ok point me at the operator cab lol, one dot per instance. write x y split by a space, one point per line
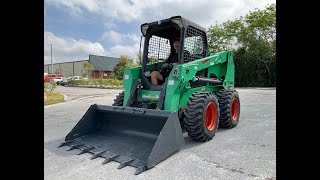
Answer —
158 45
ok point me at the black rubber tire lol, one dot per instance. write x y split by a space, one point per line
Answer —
181 119
226 98
194 120
118 101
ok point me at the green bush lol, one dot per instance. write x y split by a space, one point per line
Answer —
79 82
100 82
73 82
97 82
119 83
50 86
45 86
53 85
111 82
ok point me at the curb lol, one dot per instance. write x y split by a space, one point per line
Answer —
65 97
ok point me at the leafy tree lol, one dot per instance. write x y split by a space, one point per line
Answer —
87 69
253 41
123 63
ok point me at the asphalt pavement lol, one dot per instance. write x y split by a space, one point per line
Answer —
245 152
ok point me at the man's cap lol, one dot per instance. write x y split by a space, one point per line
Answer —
176 39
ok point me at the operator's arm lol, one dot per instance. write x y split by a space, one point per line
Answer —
166 62
170 62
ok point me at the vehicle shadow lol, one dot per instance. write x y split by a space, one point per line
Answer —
52 146
190 143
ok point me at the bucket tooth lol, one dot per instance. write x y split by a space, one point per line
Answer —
126 163
66 143
86 150
140 170
75 146
109 159
94 156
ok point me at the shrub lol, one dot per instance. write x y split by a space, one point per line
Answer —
97 82
53 85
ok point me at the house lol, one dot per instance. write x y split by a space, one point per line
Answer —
103 66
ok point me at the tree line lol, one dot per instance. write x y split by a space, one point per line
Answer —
253 41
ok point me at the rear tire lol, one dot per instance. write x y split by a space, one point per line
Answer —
229 108
119 99
202 116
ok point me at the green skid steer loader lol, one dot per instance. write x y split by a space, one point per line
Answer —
145 124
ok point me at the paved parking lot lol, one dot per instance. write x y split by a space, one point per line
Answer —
245 152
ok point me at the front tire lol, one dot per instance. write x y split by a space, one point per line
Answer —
229 102
202 116
119 99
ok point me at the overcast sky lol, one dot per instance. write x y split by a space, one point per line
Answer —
77 28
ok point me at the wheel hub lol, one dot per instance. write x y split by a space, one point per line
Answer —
211 116
235 109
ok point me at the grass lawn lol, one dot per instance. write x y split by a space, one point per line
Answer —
53 98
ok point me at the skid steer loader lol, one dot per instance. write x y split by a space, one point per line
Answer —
145 124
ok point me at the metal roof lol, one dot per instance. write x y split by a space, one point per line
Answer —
103 63
185 23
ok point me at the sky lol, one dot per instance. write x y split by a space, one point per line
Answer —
77 28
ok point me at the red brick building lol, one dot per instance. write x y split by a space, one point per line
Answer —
103 66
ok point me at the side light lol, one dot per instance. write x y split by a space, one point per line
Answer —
144 29
177 21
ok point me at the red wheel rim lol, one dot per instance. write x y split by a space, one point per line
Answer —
235 109
211 116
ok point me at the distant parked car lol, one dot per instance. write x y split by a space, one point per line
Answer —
57 78
60 80
46 79
53 77
68 79
77 77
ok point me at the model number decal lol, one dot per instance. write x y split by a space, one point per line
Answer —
171 82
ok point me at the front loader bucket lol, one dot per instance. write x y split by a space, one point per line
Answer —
134 137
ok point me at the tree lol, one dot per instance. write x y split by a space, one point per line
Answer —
224 37
260 38
138 59
253 40
87 69
123 63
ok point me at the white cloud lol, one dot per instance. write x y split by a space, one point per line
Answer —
110 24
75 6
114 37
130 51
68 49
124 44
203 12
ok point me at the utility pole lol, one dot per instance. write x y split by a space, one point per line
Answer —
51 61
